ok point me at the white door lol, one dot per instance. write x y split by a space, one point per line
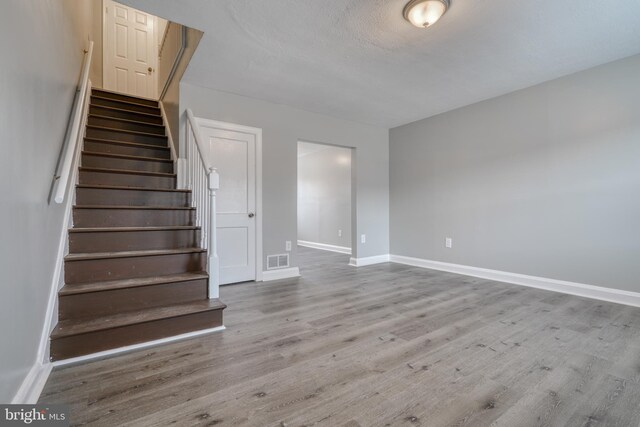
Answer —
233 154
130 51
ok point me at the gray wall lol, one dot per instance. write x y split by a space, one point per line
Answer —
324 194
544 181
41 43
282 128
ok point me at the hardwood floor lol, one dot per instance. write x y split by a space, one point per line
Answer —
383 345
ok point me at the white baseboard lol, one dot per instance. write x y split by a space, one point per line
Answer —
361 262
32 385
130 348
282 273
325 247
571 288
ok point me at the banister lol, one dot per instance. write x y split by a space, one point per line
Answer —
71 142
199 141
198 170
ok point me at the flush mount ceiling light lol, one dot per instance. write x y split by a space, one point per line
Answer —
425 13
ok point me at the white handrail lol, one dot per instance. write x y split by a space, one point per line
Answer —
62 178
202 178
198 137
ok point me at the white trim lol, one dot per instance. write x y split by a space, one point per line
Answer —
325 247
259 212
572 288
32 385
140 346
361 262
283 273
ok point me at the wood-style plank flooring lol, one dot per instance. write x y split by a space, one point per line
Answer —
383 345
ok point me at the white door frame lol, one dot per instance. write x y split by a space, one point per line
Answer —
104 5
257 132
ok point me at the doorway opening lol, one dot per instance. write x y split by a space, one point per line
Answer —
325 220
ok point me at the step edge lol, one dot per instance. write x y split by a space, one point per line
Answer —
126 156
135 132
116 142
91 256
67 290
113 92
130 207
127 172
55 336
117 187
120 119
125 229
125 102
126 111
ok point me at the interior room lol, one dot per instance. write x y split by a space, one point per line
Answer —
324 200
342 213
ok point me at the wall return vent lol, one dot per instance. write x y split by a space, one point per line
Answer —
277 261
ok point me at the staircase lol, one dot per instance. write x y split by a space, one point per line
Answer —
135 271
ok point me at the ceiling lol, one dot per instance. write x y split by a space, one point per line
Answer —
360 60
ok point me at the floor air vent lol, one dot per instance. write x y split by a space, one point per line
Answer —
277 261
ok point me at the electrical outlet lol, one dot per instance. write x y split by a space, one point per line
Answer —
339 233
448 242
363 238
288 245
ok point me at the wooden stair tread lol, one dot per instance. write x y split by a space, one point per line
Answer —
127 143
113 92
127 171
126 111
131 254
159 208
135 132
120 119
116 229
129 283
126 156
134 273
67 328
124 101
120 187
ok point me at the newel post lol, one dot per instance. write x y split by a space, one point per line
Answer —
214 264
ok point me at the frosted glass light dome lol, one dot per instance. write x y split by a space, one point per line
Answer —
425 13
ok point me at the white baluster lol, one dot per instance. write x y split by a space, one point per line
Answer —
214 263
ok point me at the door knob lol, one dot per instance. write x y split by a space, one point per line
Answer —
251 214
150 70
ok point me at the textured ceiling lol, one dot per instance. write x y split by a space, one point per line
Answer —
359 59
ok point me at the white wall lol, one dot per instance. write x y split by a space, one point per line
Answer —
324 194
41 43
283 127
544 181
